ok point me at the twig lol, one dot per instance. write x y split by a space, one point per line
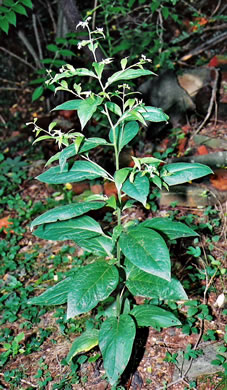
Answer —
29 48
94 14
2 119
37 36
206 45
216 8
17 57
51 16
212 102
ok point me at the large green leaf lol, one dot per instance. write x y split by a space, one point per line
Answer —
66 212
101 245
91 284
80 170
125 134
146 285
178 173
128 74
116 338
81 228
170 228
139 189
56 295
86 145
87 108
83 343
153 114
149 315
69 105
147 250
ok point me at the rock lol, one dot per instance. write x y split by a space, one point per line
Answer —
202 365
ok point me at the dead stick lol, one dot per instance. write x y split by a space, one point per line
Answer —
211 42
29 47
212 102
18 58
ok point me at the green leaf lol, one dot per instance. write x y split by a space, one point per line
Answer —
69 105
83 343
147 250
56 295
92 143
11 17
178 173
150 315
52 48
66 53
4 24
116 338
171 229
128 74
8 3
120 176
114 108
139 189
99 66
81 228
37 93
127 133
86 145
153 114
27 3
80 170
87 108
91 284
142 284
66 212
19 9
101 245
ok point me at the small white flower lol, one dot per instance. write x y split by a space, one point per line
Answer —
79 45
107 61
99 29
144 58
84 24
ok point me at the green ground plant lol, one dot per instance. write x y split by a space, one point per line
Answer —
133 259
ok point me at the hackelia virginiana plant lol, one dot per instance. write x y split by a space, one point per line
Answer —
132 259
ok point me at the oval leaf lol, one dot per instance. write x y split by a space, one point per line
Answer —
87 109
178 173
80 170
170 228
83 343
66 212
150 315
91 284
116 338
81 228
139 189
101 245
142 284
147 250
69 105
128 74
56 295
153 114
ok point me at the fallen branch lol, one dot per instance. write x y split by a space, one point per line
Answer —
17 57
29 48
37 36
206 45
213 101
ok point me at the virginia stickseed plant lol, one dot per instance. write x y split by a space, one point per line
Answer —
132 259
